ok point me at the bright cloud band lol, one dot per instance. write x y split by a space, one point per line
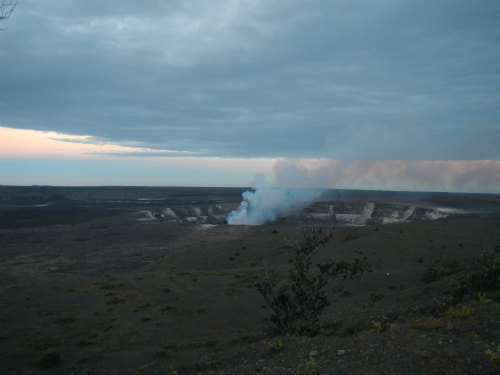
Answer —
80 159
25 143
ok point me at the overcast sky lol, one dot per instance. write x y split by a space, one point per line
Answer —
341 80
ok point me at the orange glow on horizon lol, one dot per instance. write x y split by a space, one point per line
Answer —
28 144
118 164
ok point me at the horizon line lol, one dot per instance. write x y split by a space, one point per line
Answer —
247 187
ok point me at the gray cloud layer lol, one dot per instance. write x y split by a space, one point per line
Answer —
343 79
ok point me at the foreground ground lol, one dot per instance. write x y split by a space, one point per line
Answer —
114 294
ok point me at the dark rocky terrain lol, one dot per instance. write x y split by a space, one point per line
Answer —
132 280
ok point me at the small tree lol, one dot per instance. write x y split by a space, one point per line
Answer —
298 303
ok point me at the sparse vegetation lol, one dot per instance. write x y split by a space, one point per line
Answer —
141 307
251 337
219 273
430 323
65 319
171 371
375 297
481 297
352 329
417 326
40 344
440 269
249 279
372 327
169 308
115 301
50 359
458 312
272 346
109 282
494 356
85 342
474 336
230 292
484 276
92 338
160 353
308 368
298 304
330 328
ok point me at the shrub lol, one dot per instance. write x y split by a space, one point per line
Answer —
308 368
474 336
372 327
484 276
272 346
297 304
493 356
458 312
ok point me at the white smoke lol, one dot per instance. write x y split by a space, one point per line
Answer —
265 203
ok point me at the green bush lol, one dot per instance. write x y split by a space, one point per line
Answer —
298 303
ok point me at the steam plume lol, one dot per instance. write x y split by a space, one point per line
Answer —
264 203
481 176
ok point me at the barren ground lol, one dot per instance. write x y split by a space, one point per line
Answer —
96 290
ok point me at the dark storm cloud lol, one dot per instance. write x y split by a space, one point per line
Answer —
343 79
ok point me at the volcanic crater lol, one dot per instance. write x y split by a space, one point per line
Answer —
152 281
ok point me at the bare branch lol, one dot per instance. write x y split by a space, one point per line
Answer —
6 9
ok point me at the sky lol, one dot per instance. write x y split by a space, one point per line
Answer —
386 94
